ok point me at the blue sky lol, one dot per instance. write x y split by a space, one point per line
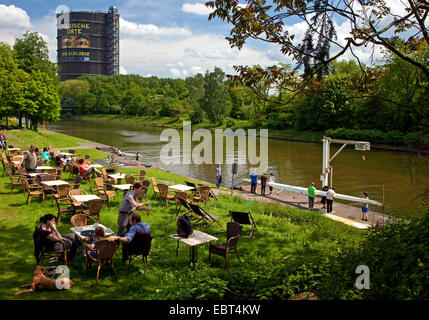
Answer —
164 38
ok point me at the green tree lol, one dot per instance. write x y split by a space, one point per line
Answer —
216 101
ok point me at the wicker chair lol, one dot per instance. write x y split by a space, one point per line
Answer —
15 181
180 194
130 179
163 194
203 196
155 187
140 177
61 192
33 190
94 208
80 220
101 190
233 230
105 251
64 205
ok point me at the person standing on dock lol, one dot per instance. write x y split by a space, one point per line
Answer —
271 179
263 183
323 201
330 195
218 175
253 181
365 208
311 195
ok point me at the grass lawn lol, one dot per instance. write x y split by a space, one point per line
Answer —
289 254
43 138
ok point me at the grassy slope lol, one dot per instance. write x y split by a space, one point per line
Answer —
23 139
283 234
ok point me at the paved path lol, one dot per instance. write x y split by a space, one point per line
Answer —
347 214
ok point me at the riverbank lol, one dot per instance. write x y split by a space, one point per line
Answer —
287 239
286 134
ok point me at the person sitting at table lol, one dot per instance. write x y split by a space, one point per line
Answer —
136 226
129 204
29 162
86 170
99 235
45 155
48 230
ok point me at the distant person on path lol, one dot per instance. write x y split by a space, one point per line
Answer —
29 162
271 179
119 153
311 195
129 204
365 207
323 201
253 181
218 175
330 195
263 183
137 156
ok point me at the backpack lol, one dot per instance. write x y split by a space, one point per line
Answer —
184 227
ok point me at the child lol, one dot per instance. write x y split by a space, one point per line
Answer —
99 235
365 208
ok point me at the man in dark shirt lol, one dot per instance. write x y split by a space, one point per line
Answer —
263 183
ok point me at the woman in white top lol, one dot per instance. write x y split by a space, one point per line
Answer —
330 194
271 179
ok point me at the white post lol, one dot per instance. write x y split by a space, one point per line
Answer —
325 161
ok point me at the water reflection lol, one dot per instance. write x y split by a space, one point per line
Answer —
292 163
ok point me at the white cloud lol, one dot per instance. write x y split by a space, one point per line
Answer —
122 70
132 29
184 56
13 23
196 8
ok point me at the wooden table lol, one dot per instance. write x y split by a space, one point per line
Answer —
44 168
54 183
85 197
14 149
77 231
66 154
181 187
96 166
117 176
194 240
124 187
33 174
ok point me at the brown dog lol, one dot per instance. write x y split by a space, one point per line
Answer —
41 282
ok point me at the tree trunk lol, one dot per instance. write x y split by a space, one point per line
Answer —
20 120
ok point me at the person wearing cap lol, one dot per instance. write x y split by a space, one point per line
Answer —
29 162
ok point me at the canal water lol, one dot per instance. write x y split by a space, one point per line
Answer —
381 173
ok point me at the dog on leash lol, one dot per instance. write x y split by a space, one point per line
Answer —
41 282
